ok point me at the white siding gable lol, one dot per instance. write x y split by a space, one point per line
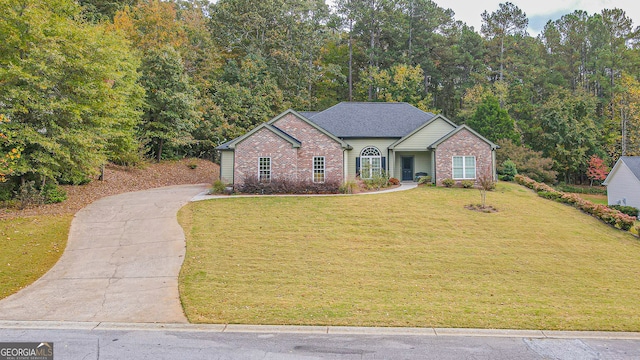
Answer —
424 137
623 187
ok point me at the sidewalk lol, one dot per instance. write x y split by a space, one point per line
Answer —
403 186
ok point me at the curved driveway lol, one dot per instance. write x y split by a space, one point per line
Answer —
121 263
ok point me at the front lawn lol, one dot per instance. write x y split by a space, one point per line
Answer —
30 247
413 258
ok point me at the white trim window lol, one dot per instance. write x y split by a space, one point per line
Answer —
370 162
264 169
464 167
318 169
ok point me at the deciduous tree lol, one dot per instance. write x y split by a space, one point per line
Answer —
68 88
597 169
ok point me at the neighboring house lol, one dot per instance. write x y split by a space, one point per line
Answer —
623 182
357 139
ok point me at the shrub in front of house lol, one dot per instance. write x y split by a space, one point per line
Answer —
448 182
348 187
377 182
217 187
467 184
251 185
425 180
606 214
394 181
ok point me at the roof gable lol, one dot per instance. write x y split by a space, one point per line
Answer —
371 119
631 162
422 127
311 123
232 144
457 130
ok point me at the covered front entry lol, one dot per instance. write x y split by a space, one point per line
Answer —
406 165
407 168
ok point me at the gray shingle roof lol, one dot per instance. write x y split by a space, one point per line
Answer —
225 146
308 114
374 120
633 163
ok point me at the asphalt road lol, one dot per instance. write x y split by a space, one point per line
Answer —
173 341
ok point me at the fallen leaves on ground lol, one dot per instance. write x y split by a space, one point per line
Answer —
119 179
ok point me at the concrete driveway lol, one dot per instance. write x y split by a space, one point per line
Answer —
121 263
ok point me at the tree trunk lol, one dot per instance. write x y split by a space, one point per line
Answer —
501 57
160 145
350 60
410 31
372 44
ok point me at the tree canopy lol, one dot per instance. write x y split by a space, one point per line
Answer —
107 80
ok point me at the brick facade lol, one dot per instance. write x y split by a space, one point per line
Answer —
286 161
463 143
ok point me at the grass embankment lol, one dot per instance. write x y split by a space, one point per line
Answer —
595 198
414 258
30 247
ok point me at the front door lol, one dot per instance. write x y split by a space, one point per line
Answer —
407 168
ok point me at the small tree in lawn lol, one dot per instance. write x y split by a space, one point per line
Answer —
597 169
486 183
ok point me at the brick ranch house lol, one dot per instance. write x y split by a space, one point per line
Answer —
354 139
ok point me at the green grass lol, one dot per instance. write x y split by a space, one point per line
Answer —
413 258
30 247
595 198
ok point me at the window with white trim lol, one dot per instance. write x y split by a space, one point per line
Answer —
264 169
370 162
464 167
318 169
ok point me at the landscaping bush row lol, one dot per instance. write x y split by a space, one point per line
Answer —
581 189
608 215
252 185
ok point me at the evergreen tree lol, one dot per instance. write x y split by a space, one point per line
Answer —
170 100
492 122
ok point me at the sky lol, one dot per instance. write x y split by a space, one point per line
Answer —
539 11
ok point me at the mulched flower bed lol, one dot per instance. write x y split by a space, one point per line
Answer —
480 208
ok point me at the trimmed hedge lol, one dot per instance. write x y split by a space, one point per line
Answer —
608 215
581 189
252 185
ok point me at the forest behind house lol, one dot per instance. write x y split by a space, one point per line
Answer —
94 81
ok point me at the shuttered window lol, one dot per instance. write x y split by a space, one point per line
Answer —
370 162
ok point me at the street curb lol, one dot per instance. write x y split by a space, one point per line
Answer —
328 330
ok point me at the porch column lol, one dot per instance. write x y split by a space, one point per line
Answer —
392 163
433 166
345 166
